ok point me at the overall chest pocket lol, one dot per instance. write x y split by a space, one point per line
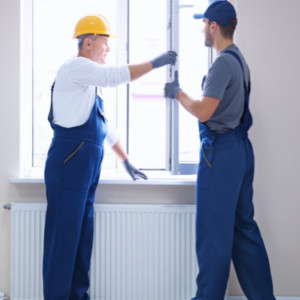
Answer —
101 114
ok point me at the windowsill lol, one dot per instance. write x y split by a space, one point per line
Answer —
113 178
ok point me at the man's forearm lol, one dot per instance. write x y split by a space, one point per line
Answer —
136 71
202 110
119 151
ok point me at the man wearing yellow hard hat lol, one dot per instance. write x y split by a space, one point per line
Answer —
74 159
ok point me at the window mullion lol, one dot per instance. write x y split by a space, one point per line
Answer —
181 160
172 157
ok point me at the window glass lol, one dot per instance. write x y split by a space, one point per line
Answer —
193 65
147 105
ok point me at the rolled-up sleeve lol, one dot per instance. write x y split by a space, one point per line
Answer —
112 137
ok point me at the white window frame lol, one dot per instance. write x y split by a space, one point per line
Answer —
26 86
174 165
26 97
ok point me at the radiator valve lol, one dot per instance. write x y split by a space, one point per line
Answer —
8 207
2 296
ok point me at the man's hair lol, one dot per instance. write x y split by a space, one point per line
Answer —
227 31
92 36
82 37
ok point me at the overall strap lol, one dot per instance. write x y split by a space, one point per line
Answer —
52 87
246 118
50 115
247 87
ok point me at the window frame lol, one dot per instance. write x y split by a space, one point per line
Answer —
27 168
172 163
175 166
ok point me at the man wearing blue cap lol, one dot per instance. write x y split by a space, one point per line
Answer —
225 228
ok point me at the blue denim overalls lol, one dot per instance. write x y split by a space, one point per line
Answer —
225 228
71 175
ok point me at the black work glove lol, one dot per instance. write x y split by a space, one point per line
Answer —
133 171
172 88
167 58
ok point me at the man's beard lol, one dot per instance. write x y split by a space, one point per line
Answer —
209 40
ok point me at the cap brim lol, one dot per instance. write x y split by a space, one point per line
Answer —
198 16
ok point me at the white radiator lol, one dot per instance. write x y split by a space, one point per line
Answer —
27 236
141 252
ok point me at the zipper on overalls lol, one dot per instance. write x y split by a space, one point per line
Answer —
74 152
205 157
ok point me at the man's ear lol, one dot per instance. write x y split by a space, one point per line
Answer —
87 42
213 26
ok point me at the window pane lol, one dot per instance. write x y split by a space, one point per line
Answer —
147 105
53 27
193 65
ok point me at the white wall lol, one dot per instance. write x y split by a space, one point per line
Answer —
268 36
9 122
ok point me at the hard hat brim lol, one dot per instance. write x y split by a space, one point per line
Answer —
75 36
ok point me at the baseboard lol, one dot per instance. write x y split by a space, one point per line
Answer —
277 298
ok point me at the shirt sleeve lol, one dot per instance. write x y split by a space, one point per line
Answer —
217 80
112 136
83 71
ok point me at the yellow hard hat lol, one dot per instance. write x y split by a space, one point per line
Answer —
92 24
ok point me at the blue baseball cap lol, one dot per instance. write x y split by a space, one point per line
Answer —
220 11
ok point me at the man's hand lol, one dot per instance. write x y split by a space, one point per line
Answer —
167 58
172 88
133 171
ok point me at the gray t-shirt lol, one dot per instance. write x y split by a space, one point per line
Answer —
225 81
